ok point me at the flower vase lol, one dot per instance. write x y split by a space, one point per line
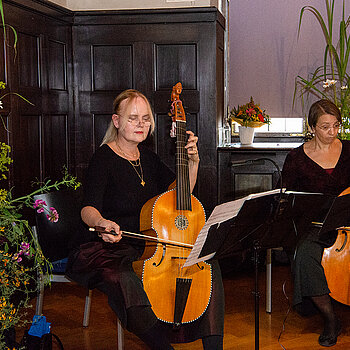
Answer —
246 135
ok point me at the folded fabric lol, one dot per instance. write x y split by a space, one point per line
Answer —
39 326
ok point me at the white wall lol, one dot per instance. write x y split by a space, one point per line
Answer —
82 5
266 54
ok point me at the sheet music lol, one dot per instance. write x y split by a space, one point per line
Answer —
221 213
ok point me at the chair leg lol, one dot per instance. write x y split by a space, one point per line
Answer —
120 335
268 281
87 308
40 296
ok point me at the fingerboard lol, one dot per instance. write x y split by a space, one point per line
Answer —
183 195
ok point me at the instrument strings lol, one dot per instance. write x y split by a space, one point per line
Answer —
183 189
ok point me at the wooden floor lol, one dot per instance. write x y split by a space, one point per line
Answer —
64 303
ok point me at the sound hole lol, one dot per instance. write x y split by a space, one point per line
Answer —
181 222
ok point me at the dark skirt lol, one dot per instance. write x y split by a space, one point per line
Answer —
102 266
308 274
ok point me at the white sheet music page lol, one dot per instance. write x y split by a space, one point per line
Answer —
221 213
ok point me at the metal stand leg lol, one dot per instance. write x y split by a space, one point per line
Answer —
120 335
87 308
268 280
40 296
256 293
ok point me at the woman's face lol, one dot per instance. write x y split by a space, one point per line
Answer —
133 120
326 129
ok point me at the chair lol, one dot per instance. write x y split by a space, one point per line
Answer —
54 238
269 278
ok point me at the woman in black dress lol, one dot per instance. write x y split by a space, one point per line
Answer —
321 165
122 176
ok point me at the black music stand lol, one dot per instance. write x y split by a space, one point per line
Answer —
271 221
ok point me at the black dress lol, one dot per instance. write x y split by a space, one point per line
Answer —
301 173
113 187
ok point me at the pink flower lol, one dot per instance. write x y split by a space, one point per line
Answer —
53 215
25 248
17 257
39 203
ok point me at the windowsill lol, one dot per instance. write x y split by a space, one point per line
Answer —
263 145
269 137
271 134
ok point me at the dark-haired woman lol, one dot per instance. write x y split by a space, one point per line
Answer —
321 165
122 176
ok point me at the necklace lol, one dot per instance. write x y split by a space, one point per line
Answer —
127 156
140 175
136 163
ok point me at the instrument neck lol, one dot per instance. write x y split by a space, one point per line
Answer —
183 198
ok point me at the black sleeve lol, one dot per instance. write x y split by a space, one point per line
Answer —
289 173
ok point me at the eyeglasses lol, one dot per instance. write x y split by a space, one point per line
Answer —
135 120
328 127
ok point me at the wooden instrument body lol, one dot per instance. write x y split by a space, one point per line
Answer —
177 294
336 265
164 266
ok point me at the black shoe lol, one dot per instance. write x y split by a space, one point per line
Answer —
329 340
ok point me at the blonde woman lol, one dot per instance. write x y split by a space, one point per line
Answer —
122 176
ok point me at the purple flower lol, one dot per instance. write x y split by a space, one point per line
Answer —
53 215
25 248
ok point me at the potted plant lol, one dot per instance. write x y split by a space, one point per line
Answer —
249 117
330 80
21 256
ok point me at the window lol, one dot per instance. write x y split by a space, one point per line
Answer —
281 125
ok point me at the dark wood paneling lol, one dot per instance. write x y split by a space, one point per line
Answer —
149 50
143 71
178 16
56 144
27 154
100 124
176 62
4 125
28 60
41 71
111 67
158 59
58 65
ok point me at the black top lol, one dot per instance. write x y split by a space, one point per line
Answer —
301 173
113 187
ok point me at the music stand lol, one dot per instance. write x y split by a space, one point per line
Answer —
337 215
270 221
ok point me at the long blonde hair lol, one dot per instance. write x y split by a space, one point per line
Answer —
130 95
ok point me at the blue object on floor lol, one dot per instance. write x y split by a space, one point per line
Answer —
39 326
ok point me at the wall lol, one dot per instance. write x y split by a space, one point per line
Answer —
266 54
83 5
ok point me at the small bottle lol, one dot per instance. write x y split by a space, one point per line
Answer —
226 133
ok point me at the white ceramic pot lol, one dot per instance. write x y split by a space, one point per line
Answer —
246 135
